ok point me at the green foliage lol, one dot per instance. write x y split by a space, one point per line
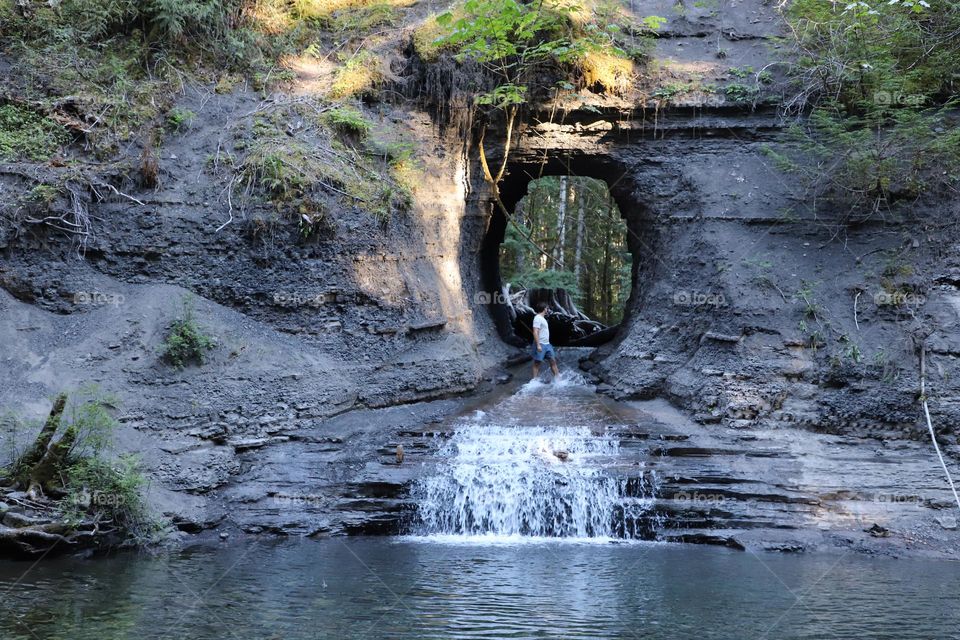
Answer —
110 491
851 350
163 21
357 76
301 175
348 120
521 44
98 486
186 341
179 119
363 18
599 278
43 195
550 279
739 92
26 134
872 159
807 298
878 76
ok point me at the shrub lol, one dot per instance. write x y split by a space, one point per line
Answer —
186 342
358 76
361 19
877 77
107 491
178 118
93 486
348 120
26 134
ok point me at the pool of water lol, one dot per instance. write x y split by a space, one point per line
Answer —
483 587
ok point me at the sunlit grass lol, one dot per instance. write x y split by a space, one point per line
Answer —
320 9
613 73
357 76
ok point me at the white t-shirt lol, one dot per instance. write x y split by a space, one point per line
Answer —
539 322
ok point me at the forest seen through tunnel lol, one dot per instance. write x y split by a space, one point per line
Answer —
568 234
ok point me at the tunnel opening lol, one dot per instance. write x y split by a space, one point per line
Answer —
566 247
534 260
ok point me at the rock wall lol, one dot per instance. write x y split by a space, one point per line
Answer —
747 305
369 315
747 309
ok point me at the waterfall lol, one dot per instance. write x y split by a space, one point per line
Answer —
500 477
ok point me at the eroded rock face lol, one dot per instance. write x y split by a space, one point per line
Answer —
747 312
743 312
370 314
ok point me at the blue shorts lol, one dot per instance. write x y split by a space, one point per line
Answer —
546 352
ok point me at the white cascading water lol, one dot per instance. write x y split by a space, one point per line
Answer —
501 477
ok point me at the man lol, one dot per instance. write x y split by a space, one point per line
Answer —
541 341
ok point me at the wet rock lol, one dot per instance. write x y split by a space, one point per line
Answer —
256 443
947 522
720 337
216 432
786 548
877 531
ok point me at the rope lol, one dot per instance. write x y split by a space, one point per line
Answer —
926 412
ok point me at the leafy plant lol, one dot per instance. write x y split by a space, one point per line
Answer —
739 92
178 119
348 120
26 134
186 341
805 294
878 78
108 491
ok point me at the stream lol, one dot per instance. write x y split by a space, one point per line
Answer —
532 524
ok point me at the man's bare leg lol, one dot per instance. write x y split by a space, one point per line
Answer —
536 369
553 367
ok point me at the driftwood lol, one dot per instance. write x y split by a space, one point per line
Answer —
568 325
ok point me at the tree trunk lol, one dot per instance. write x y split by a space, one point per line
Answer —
561 223
39 449
521 214
581 231
45 475
39 468
605 275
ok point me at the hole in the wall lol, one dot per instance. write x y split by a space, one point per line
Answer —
516 184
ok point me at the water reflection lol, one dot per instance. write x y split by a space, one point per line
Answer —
382 588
